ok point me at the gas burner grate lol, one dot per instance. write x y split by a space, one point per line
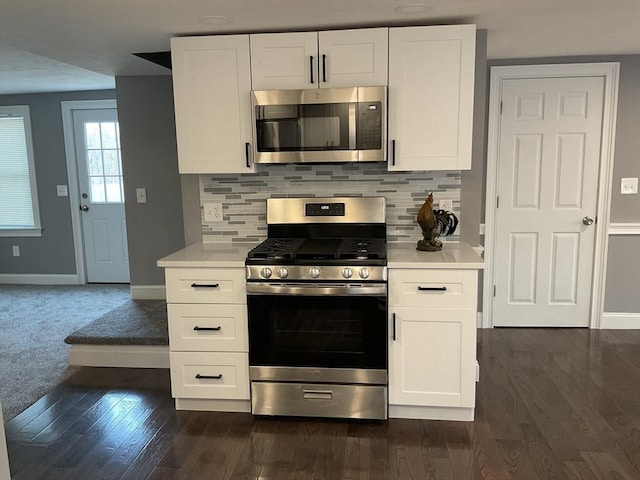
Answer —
362 249
276 248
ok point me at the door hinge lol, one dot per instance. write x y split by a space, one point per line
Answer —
494 290
501 108
498 201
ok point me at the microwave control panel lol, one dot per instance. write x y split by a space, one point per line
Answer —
369 129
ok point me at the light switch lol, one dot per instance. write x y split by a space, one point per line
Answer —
141 195
629 186
62 190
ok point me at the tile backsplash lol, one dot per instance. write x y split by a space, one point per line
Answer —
243 196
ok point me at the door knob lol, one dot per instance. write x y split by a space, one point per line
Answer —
84 208
587 221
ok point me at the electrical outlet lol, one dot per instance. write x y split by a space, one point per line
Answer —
212 212
629 186
16 251
141 195
446 205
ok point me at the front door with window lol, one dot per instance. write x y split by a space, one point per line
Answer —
102 195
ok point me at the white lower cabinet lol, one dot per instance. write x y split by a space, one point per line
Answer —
432 351
208 338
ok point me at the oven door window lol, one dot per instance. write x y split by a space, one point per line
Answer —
300 128
318 331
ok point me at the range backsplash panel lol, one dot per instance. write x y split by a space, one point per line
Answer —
243 196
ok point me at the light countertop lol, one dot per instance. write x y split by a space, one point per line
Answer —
220 255
399 255
453 255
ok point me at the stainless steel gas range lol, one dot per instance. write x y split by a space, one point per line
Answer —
317 307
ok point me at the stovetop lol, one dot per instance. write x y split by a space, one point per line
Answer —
322 251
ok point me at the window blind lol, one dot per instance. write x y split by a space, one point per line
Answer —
16 195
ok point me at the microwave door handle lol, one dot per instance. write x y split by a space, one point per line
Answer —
352 126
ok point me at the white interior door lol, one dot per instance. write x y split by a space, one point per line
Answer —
101 190
548 164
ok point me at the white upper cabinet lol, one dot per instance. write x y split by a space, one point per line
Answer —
212 85
339 58
431 83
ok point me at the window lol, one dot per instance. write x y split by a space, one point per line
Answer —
104 164
19 214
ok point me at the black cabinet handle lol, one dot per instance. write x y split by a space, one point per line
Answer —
324 68
394 327
213 377
215 329
205 285
393 152
247 146
311 68
437 289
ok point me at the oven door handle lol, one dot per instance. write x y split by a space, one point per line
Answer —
374 289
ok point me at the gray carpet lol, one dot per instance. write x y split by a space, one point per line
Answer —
136 322
34 320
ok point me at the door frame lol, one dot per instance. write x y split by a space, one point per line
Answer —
68 108
610 71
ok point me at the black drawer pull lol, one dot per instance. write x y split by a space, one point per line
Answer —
197 328
213 377
205 285
437 289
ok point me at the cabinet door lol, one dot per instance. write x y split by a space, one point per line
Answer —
284 61
432 359
431 82
211 83
349 58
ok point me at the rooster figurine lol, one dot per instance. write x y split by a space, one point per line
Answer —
433 224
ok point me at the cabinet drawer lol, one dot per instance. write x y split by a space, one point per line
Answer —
210 375
212 328
205 285
433 288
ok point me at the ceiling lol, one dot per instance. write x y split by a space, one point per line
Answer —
66 45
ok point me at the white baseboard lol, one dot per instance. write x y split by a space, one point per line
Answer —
210 405
39 279
125 356
148 292
620 321
432 413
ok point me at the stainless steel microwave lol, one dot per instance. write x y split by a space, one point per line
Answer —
320 125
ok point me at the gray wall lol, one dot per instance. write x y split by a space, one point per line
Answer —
473 181
149 160
53 252
623 264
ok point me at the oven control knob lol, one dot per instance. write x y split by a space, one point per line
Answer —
314 272
265 272
364 273
347 272
283 272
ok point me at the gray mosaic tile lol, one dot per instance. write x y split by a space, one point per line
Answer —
244 196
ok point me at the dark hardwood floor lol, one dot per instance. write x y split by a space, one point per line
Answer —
551 404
